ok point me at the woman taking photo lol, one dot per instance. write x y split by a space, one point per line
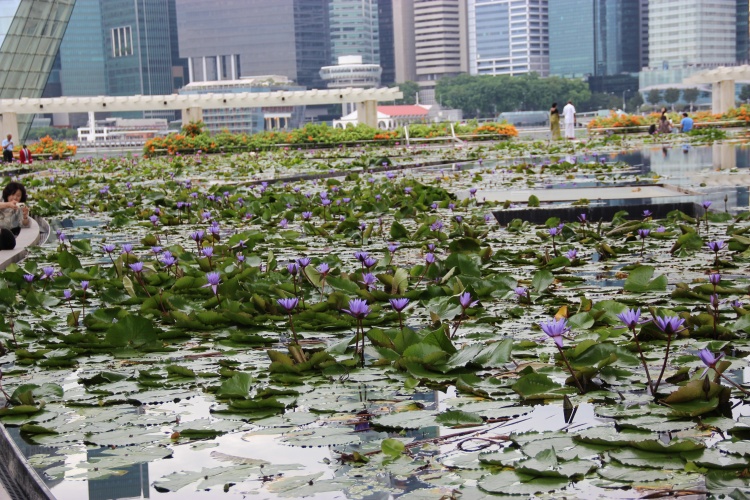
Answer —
14 214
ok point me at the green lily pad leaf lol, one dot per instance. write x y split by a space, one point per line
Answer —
68 261
648 441
624 474
28 393
134 331
321 436
36 429
736 447
343 285
655 423
538 386
398 231
41 299
545 464
514 483
406 420
392 447
726 482
495 355
542 280
639 281
507 457
640 458
715 459
454 418
400 281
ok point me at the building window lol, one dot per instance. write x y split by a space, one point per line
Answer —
122 41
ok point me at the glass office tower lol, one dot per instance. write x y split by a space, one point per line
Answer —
594 37
30 35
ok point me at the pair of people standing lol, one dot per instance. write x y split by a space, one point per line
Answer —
569 120
24 156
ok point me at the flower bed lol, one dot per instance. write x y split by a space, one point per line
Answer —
50 148
703 119
319 135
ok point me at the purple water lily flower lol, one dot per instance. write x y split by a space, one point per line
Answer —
197 236
392 247
434 206
361 256
240 258
647 213
465 300
642 233
369 262
67 294
304 262
214 279
168 259
283 223
473 192
29 277
707 204
84 285
553 231
306 215
358 308
555 329
109 248
714 278
127 248
399 304
521 291
137 267
369 280
429 258
669 324
716 246
292 268
436 226
582 218
630 318
487 217
709 360
323 268
208 252
48 271
288 303
661 229
571 254
156 250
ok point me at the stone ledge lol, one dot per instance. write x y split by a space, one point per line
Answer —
29 236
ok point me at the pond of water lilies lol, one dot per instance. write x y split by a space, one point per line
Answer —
354 323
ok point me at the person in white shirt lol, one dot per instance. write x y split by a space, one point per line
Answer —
8 149
569 115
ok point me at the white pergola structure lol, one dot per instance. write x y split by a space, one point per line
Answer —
192 105
722 80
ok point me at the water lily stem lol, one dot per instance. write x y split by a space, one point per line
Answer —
643 359
734 383
570 369
664 365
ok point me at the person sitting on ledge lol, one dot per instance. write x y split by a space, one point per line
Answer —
14 214
24 156
686 124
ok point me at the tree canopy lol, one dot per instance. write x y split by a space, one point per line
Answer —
486 96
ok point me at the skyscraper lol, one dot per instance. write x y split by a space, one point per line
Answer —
508 37
594 37
686 33
404 57
386 23
440 42
354 30
30 36
254 37
82 67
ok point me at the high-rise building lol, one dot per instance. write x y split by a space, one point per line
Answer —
508 37
689 36
353 26
685 33
30 36
404 58
743 31
138 57
386 23
82 67
594 37
440 43
643 19
254 37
